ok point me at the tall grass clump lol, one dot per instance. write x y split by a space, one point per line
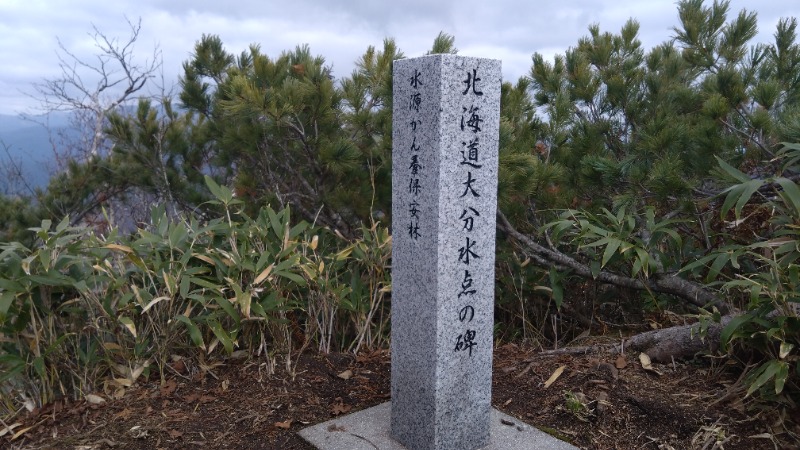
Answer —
83 312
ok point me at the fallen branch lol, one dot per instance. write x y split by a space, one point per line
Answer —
542 256
664 345
678 342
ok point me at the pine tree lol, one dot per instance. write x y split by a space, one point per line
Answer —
632 128
291 136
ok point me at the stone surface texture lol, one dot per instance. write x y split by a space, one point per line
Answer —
369 430
444 200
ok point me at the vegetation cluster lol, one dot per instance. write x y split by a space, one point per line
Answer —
637 187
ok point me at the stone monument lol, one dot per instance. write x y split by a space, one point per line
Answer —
446 119
444 199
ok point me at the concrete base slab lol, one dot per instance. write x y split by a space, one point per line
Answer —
369 430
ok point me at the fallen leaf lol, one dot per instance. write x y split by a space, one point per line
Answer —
602 402
621 362
647 364
137 372
207 398
333 427
174 434
169 387
225 384
346 374
95 399
124 382
124 414
557 373
340 408
761 436
137 432
178 366
9 429
20 433
285 425
128 323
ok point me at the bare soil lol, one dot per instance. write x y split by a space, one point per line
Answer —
597 402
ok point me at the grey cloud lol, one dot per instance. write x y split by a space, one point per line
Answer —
340 30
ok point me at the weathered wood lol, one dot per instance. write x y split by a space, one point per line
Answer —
662 346
694 293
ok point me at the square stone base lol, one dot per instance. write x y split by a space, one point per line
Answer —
369 430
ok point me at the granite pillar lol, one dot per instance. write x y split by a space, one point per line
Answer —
446 117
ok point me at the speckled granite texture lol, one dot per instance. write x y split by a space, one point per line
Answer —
446 120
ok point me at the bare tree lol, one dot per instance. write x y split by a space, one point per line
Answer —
90 90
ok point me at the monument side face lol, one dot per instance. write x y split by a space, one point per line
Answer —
446 118
415 205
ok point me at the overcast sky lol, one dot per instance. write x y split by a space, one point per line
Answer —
339 30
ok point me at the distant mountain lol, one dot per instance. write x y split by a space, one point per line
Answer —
29 145
12 123
28 139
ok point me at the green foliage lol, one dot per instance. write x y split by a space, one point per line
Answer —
350 295
770 324
645 246
39 296
161 152
444 43
16 216
125 303
610 153
626 150
624 124
291 134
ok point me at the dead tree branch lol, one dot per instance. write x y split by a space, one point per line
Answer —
664 345
92 90
542 256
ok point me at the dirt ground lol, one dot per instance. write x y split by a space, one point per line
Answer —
593 401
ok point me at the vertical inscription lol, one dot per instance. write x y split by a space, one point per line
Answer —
415 166
470 165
